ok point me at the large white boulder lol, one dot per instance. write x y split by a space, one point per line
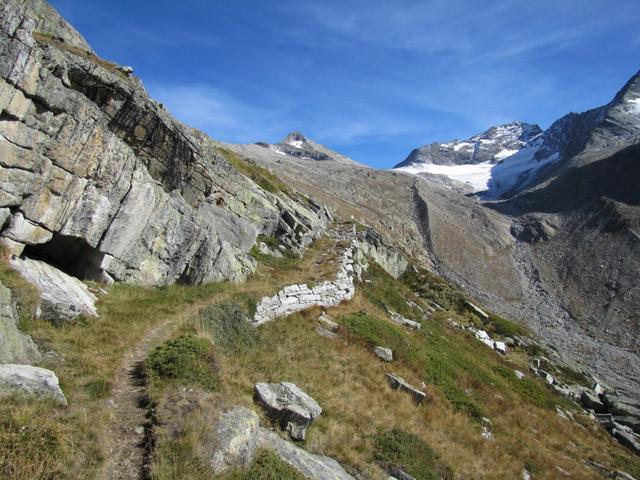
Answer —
28 380
62 296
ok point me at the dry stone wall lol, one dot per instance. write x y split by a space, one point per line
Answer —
298 297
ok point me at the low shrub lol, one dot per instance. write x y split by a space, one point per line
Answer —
185 359
409 453
228 326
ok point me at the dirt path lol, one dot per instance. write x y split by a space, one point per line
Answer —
124 437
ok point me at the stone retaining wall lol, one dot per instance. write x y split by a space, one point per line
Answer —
297 297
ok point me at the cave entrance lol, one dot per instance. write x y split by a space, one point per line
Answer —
72 255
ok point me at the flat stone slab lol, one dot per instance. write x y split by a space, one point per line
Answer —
398 383
28 380
311 466
383 353
404 321
286 403
62 296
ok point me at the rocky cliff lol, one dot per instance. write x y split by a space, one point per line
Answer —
100 181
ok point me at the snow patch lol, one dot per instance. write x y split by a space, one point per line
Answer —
517 169
504 153
296 143
635 105
476 175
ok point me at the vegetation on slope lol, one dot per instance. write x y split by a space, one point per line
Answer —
365 425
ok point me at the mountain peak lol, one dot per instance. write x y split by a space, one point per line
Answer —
490 146
295 139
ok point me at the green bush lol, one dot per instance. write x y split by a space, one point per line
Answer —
505 327
228 326
185 359
375 331
409 453
432 287
386 292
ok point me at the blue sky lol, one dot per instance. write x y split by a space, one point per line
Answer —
370 78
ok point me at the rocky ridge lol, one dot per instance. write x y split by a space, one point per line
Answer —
490 146
93 167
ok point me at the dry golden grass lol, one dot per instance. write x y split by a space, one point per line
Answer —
342 374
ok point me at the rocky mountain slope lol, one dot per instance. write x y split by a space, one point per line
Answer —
340 267
100 180
555 261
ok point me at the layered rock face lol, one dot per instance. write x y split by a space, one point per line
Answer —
100 181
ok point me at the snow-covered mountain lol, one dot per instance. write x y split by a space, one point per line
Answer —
507 159
607 128
470 161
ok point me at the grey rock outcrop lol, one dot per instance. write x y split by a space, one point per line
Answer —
372 245
287 404
383 353
62 297
311 466
15 346
89 161
234 440
32 381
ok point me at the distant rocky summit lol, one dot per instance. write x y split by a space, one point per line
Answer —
491 146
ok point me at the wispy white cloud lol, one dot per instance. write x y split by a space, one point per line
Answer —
222 115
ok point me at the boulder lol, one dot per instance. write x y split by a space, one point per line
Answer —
592 401
500 347
15 346
287 404
622 406
400 320
62 296
399 383
234 440
28 380
626 437
632 422
399 474
518 374
477 310
309 465
384 353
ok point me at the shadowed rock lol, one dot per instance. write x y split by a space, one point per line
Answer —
399 383
292 408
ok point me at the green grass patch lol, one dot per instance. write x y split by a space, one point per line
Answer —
269 240
186 359
396 449
529 389
375 331
434 288
386 292
266 466
286 262
504 327
228 326
261 176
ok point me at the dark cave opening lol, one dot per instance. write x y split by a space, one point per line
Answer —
72 255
